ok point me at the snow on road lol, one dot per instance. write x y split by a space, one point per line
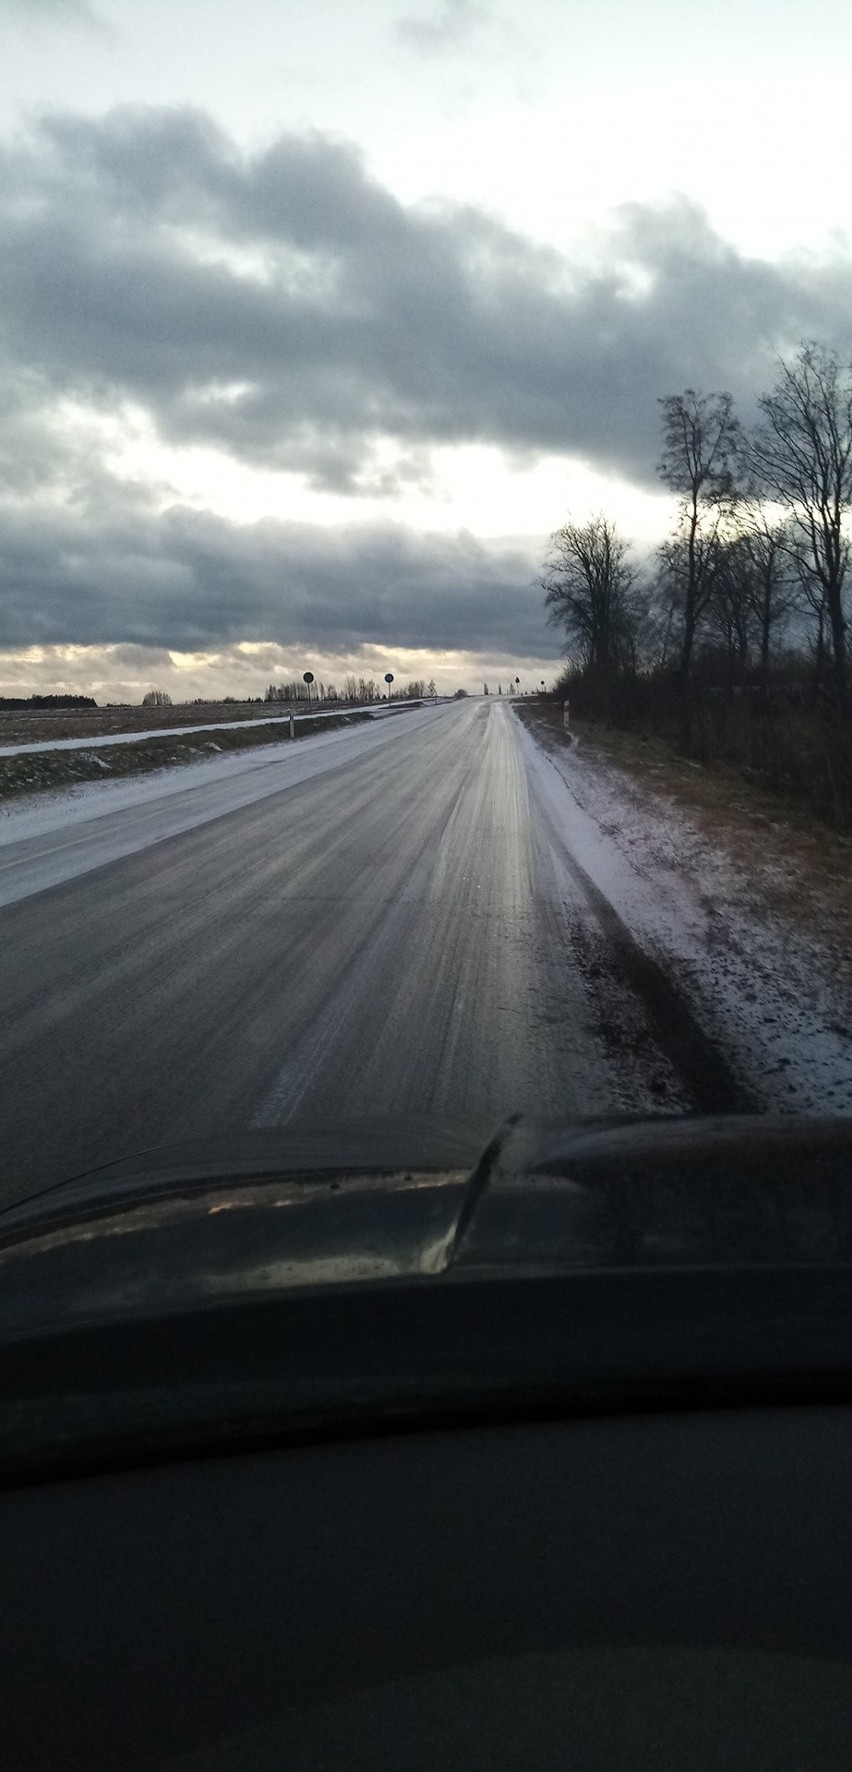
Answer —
769 990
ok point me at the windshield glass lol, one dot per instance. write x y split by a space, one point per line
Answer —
424 579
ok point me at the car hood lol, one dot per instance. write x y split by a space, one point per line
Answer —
202 1222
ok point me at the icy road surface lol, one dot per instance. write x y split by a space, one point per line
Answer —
418 917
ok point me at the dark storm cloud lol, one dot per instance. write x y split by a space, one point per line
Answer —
191 581
289 309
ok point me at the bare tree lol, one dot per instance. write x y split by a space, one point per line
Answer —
811 598
590 591
769 579
755 586
730 608
700 447
802 454
156 698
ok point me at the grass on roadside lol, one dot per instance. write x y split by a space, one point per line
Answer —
801 868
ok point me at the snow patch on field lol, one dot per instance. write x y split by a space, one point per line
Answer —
769 991
93 742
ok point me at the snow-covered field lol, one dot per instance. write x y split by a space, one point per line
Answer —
772 992
91 743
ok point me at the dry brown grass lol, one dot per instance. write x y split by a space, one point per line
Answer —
798 866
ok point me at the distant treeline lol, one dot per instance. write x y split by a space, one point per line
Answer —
47 701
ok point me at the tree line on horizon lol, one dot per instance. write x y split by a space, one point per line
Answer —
45 702
355 689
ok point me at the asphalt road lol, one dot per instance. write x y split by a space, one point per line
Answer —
371 926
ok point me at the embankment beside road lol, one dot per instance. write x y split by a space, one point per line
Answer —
747 898
32 771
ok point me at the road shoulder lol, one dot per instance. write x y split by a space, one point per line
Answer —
747 904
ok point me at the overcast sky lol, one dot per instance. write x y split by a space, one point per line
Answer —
315 320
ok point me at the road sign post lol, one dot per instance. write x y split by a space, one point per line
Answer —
308 677
389 680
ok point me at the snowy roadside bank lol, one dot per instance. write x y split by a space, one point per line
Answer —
30 769
261 723
49 837
774 994
97 742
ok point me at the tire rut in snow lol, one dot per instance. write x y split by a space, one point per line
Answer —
703 1067
618 964
644 1075
697 1060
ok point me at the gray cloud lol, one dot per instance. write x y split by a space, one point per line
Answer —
189 581
152 658
287 308
450 26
